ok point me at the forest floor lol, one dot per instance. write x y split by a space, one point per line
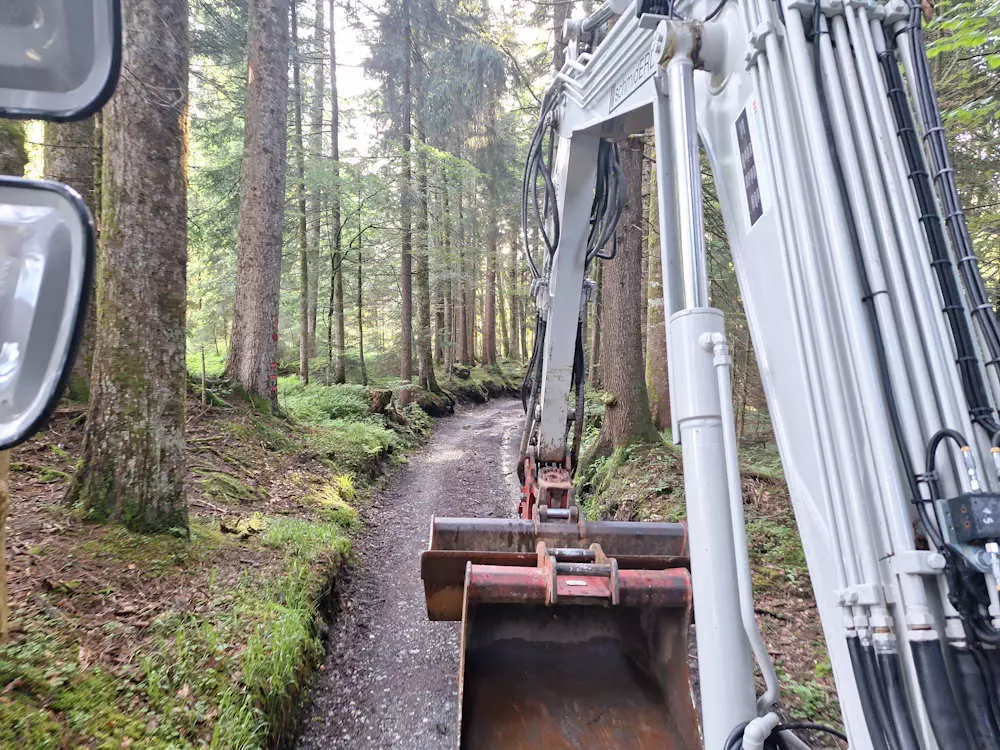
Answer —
168 641
390 679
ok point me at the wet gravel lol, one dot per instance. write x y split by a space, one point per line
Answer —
390 677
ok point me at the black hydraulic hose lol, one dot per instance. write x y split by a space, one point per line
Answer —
973 384
902 718
944 175
880 699
971 675
948 721
863 681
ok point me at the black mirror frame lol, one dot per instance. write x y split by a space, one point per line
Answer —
87 282
97 104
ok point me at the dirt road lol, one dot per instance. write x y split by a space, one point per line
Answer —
390 678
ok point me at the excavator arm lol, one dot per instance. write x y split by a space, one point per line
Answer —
878 354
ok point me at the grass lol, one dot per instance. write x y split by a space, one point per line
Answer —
227 675
234 629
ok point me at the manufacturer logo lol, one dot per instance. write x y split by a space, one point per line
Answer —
633 79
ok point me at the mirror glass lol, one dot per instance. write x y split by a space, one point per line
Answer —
59 59
46 261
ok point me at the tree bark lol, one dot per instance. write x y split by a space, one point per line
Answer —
300 191
13 155
626 418
405 212
338 372
133 464
72 156
657 383
595 347
253 353
490 290
560 13
316 193
462 306
425 353
515 307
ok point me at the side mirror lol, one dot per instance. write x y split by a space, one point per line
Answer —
59 59
46 264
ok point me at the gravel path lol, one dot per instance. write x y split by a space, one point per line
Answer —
390 678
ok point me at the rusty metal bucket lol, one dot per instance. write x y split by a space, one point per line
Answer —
567 647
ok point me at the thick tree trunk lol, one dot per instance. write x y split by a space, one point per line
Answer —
300 190
13 155
626 418
133 463
317 106
253 354
72 156
657 383
338 370
405 212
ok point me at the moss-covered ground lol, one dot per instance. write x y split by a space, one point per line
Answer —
173 641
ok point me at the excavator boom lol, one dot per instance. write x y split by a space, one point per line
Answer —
878 353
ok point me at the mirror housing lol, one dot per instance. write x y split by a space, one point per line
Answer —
46 268
59 59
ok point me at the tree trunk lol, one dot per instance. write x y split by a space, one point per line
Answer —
501 304
316 154
338 373
490 291
253 353
133 464
560 13
595 347
300 190
425 354
405 212
72 156
626 418
515 307
461 310
13 155
657 383
360 297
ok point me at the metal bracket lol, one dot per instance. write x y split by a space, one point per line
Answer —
863 595
917 562
895 11
758 42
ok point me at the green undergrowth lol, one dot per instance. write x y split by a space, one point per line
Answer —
217 630
227 673
481 383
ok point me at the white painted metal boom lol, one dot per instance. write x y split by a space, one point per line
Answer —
875 375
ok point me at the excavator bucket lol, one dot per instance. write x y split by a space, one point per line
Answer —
566 646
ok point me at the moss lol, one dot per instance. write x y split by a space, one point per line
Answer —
51 475
333 505
155 554
78 389
225 487
56 703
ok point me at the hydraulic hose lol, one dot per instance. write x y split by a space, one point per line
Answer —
977 698
948 720
863 680
973 383
892 678
879 695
